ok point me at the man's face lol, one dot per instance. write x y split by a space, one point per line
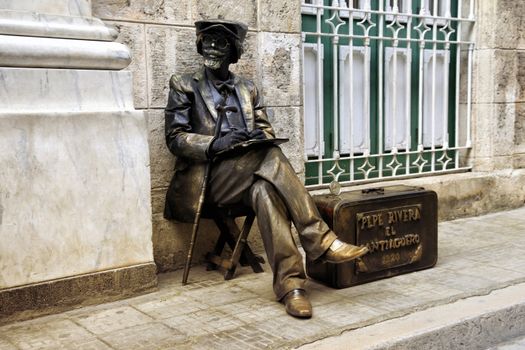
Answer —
216 49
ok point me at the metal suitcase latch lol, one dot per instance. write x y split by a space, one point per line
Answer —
374 190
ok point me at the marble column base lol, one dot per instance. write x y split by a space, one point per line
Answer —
74 194
63 294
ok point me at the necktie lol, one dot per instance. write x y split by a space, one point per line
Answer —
224 86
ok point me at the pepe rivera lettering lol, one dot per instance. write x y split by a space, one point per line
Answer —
390 227
389 217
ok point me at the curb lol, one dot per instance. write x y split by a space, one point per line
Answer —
472 323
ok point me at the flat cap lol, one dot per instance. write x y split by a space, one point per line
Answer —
237 29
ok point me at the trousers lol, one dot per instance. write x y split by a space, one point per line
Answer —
265 180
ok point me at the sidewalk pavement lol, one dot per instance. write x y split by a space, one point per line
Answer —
515 344
476 256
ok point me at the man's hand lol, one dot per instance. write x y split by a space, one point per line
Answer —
230 138
257 134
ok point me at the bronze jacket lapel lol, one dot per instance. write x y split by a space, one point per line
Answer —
205 92
245 99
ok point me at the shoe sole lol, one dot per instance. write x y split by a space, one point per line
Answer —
300 315
356 256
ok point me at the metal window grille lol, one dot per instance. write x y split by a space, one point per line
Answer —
386 89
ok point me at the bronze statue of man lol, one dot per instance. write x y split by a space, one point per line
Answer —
261 178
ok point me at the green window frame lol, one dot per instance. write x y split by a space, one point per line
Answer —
402 94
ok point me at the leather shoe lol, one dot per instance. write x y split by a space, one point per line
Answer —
297 304
340 252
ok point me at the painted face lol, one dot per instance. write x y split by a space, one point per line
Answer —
216 49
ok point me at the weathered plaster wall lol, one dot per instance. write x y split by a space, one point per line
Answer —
161 37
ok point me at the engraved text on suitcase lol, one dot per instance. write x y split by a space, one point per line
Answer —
392 237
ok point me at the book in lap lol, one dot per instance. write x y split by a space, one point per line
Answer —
244 146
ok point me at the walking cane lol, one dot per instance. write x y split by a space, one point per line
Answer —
222 113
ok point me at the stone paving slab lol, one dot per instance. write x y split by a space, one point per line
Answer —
476 256
514 344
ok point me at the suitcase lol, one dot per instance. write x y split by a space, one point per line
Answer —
398 224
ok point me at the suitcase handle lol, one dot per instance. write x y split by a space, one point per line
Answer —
374 190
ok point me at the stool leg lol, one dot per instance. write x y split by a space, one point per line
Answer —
239 246
229 233
247 255
221 242
254 261
232 236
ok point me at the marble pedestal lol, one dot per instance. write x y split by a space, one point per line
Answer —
75 212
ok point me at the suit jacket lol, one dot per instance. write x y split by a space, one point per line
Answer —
190 119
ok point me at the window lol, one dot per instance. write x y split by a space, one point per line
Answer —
440 8
397 98
353 101
398 7
310 9
443 7
356 5
381 89
313 98
435 97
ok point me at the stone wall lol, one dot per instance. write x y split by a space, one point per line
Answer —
161 37
499 86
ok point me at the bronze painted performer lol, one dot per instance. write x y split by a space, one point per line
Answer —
261 178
